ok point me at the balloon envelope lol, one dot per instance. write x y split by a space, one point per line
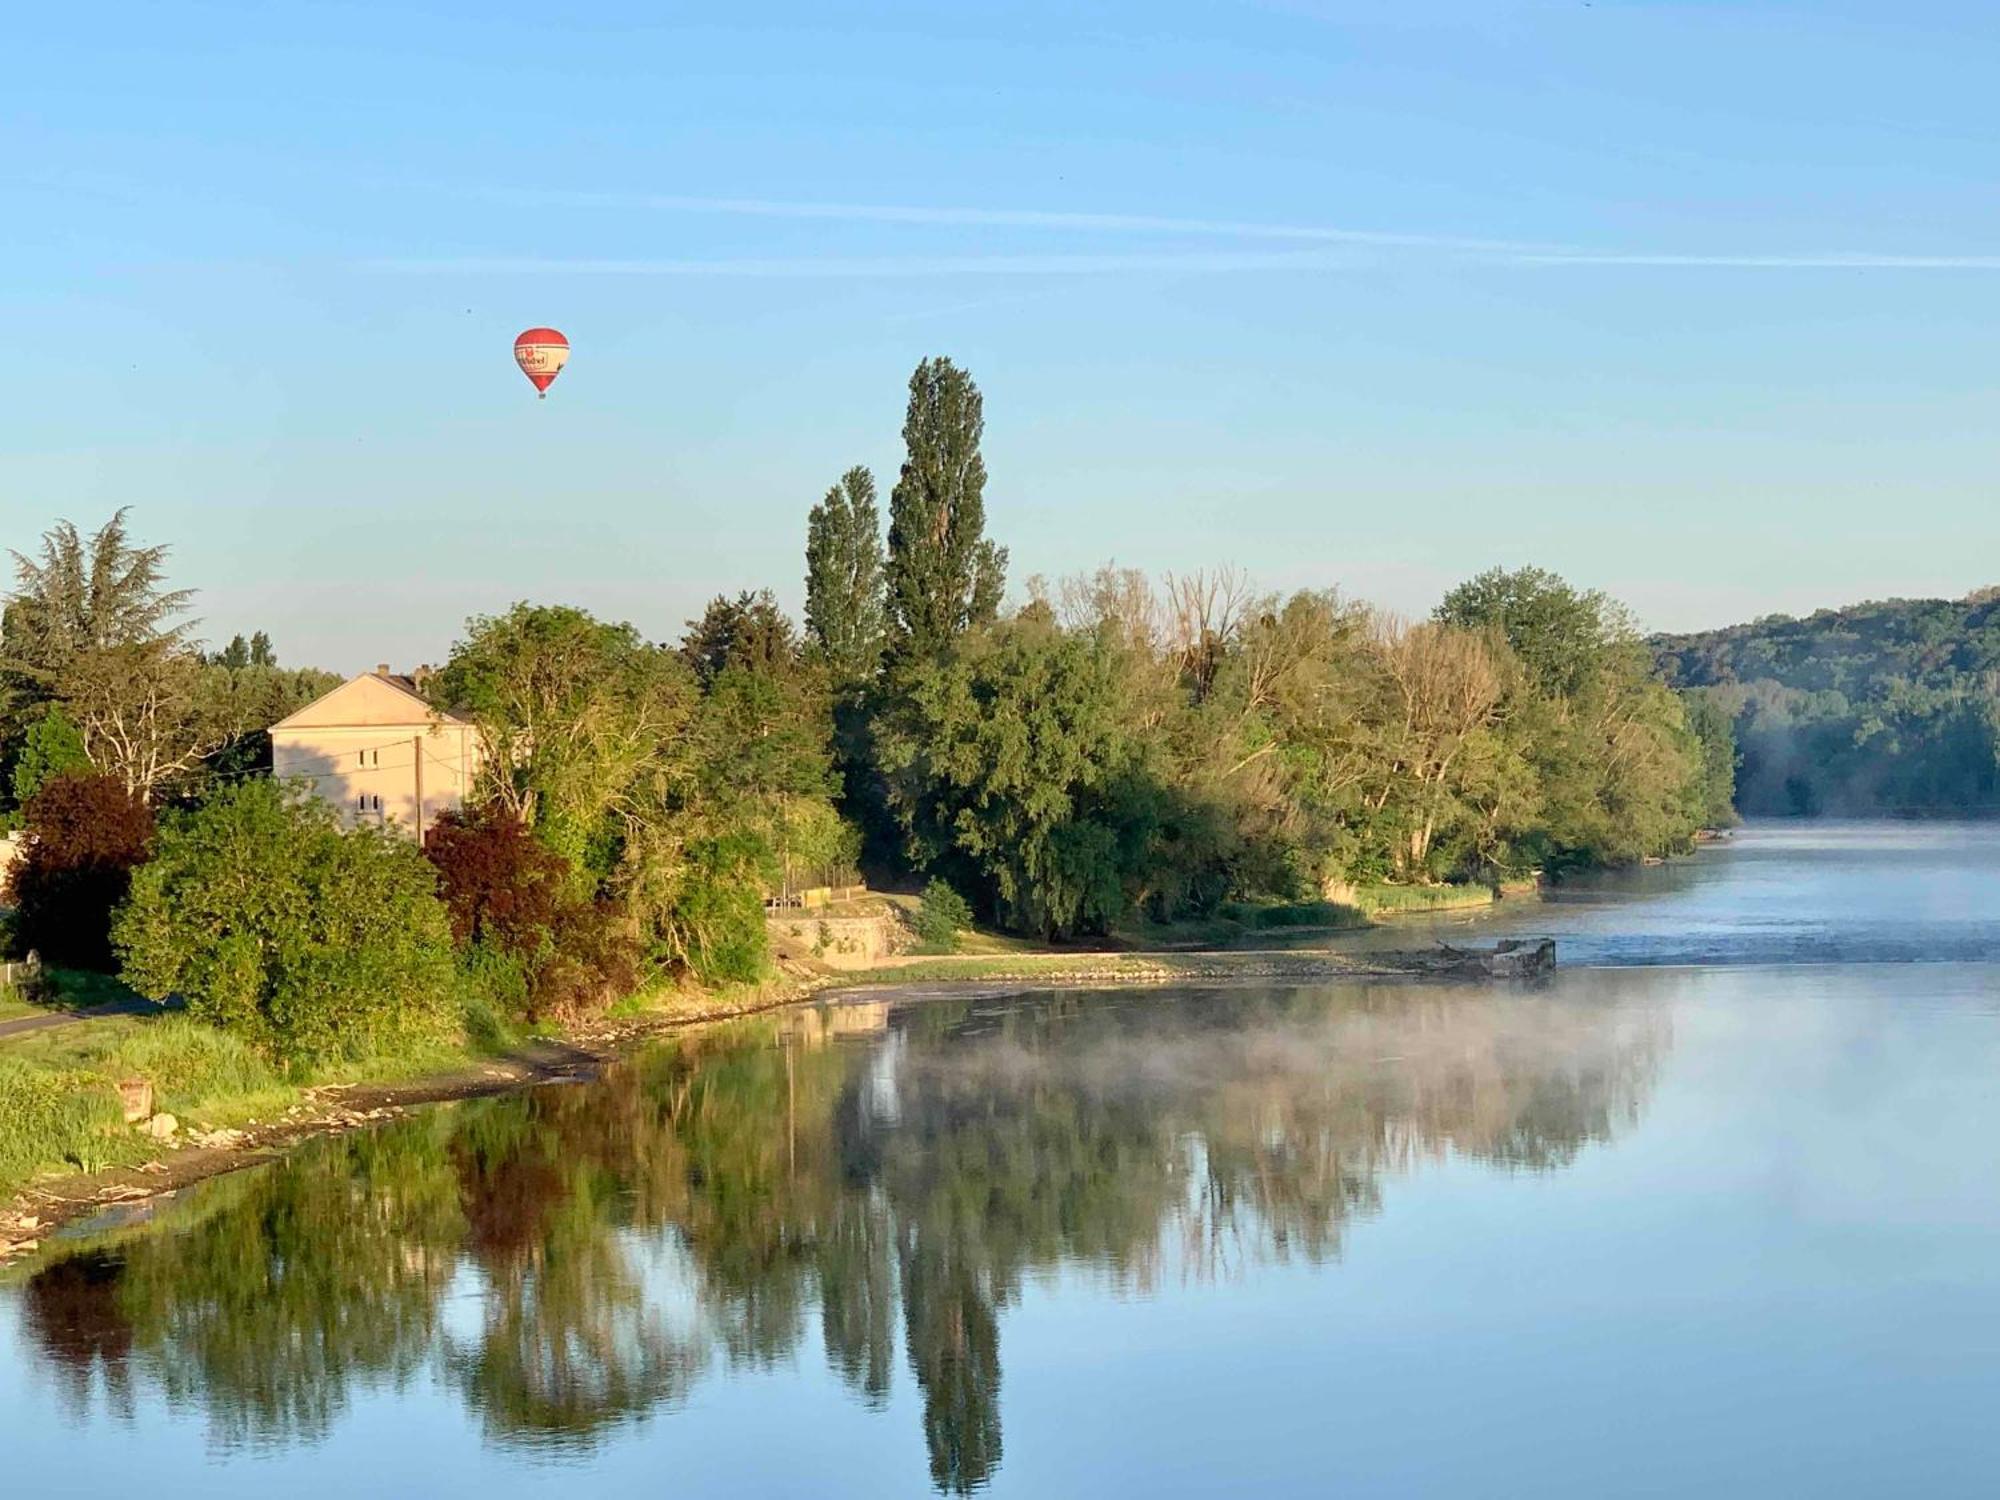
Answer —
541 353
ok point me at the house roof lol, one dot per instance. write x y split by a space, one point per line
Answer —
374 700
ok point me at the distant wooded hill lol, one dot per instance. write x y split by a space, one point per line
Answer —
1891 706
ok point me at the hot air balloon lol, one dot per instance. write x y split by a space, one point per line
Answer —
541 353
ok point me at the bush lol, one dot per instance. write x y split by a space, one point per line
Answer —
310 943
540 949
49 1116
715 922
85 835
595 962
941 917
498 981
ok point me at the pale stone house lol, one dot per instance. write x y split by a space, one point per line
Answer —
378 752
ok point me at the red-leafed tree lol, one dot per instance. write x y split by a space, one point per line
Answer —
85 835
500 885
512 896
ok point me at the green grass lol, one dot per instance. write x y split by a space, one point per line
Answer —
1390 900
189 1064
14 1003
59 1107
1259 917
52 1118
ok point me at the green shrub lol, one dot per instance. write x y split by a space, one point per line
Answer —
495 979
50 1116
309 943
717 915
941 918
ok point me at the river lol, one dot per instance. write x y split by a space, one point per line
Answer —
1715 1210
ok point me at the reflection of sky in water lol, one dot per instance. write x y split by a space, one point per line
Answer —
1729 1231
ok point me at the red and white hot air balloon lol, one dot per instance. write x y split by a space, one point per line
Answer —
541 353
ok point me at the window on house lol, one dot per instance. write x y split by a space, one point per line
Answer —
361 757
378 804
361 804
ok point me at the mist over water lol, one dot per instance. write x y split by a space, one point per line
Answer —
1712 1213
1778 893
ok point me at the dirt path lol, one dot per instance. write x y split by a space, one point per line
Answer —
26 1025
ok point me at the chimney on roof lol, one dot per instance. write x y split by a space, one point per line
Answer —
381 669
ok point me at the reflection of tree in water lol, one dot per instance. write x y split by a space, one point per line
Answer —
571 1344
73 1313
303 1281
915 1180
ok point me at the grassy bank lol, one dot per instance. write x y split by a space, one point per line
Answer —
1400 900
59 1103
60 1112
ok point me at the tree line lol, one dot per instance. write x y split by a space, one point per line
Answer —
1885 707
1110 751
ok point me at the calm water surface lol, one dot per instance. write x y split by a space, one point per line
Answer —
1718 1213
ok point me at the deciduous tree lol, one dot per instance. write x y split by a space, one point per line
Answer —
844 600
944 575
86 833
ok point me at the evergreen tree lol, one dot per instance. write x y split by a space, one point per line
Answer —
943 574
844 609
749 631
85 594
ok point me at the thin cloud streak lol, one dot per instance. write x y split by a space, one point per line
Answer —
1829 262
1011 218
1365 246
1193 263
874 266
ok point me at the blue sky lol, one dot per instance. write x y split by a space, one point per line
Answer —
1693 302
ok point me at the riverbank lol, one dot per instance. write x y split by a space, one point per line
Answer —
260 1124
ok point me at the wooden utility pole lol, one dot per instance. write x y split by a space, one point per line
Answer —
417 745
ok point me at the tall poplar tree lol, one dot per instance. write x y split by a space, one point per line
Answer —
943 574
844 608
